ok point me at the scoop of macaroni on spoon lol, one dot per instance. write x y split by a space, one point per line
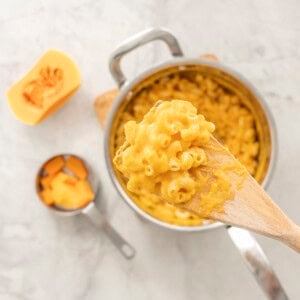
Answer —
172 156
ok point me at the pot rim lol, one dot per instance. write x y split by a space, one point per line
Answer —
177 62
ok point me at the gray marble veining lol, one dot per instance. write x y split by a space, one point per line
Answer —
45 257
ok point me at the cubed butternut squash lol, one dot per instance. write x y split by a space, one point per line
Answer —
45 181
54 165
69 192
77 167
59 187
46 196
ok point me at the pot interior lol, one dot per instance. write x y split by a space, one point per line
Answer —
228 92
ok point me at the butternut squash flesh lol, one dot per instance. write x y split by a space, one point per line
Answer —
54 165
45 88
69 192
77 167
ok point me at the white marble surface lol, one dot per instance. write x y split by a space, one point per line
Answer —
45 257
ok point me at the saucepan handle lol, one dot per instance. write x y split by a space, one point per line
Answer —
136 41
257 263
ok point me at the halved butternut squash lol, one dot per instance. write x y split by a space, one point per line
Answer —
45 88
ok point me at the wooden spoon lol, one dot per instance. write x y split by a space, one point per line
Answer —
251 207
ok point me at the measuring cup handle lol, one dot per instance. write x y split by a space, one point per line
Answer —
100 221
257 263
136 41
126 249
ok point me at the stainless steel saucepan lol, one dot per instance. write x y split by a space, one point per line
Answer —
249 248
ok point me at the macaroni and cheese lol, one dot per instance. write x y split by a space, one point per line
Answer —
172 165
236 129
235 123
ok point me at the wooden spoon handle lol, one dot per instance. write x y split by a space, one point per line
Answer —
254 209
292 238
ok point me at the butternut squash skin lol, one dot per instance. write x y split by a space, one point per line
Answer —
45 88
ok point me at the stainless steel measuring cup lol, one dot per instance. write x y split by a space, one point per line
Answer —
90 210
